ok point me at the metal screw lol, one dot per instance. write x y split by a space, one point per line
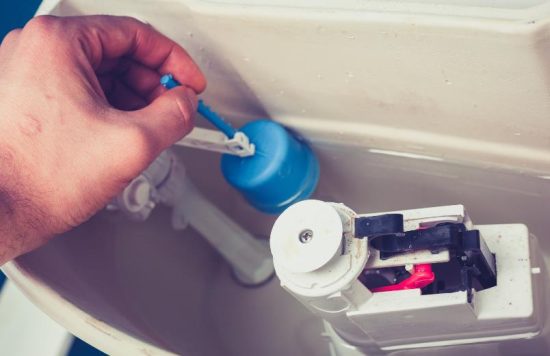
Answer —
305 236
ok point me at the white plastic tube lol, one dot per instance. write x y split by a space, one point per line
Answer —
250 258
165 181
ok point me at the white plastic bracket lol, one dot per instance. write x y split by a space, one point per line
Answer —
216 141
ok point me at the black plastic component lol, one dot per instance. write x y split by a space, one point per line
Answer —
378 225
456 275
373 279
434 239
469 268
474 259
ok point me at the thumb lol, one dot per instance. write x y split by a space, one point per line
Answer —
169 117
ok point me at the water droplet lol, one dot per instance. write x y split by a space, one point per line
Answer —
303 111
319 76
350 75
246 59
448 82
321 29
190 34
517 133
281 92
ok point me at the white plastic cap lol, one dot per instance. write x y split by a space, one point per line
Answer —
306 236
136 200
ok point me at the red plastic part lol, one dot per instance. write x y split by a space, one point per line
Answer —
421 276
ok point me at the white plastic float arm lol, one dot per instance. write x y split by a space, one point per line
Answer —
216 141
165 181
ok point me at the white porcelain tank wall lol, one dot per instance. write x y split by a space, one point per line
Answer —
407 104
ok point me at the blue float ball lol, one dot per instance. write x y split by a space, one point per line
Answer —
283 171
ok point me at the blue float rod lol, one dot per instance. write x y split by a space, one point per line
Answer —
215 119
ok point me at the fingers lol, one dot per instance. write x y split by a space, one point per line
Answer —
143 80
128 141
124 58
121 96
114 37
167 119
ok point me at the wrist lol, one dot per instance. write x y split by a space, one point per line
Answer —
22 223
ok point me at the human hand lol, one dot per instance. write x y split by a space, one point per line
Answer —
81 114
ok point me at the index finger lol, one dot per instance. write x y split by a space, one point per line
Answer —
108 37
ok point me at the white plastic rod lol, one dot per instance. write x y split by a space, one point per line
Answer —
165 181
216 141
250 258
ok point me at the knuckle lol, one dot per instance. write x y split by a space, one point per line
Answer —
41 31
43 23
136 22
143 26
11 36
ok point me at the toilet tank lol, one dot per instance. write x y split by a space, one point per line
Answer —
407 104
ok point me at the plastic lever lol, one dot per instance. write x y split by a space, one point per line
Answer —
370 226
421 277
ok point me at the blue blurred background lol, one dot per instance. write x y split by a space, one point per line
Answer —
14 14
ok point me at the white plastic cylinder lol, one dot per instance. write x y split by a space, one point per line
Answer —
318 261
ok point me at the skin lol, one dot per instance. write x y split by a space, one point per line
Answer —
81 114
